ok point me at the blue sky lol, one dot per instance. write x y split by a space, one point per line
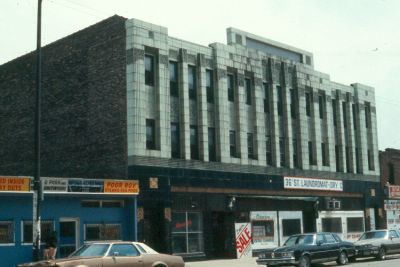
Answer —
352 40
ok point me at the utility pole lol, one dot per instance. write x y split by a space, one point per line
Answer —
37 185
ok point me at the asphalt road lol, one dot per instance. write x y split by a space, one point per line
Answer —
392 261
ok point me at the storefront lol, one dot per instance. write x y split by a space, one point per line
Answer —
392 207
79 210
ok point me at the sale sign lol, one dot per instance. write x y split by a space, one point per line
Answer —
243 240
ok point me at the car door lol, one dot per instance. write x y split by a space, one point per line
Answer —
332 247
320 250
123 255
395 241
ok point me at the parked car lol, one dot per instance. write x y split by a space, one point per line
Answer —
306 249
378 244
114 254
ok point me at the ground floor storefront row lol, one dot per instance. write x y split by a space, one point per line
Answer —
79 210
194 215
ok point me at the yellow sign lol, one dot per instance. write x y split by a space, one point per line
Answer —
121 187
19 184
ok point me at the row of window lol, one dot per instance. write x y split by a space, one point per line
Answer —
93 232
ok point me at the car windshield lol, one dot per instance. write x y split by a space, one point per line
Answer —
91 250
291 241
373 235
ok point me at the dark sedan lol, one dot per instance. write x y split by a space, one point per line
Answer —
305 249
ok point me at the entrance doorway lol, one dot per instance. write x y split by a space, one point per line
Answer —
223 234
68 241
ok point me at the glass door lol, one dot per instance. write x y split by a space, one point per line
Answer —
68 242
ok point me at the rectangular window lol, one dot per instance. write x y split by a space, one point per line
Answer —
175 141
247 82
324 153
344 108
232 143
355 225
333 225
96 232
291 227
194 144
321 103
295 154
355 117
267 98
250 146
282 151
310 153
187 232
7 232
192 81
150 134
334 111
337 157
367 114
358 166
210 86
308 104
149 69
268 149
46 228
102 203
348 163
211 144
293 103
173 79
371 166
231 88
279 103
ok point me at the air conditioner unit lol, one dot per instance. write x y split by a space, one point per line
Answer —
334 205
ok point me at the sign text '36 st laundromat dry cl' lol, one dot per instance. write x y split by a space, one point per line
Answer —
312 184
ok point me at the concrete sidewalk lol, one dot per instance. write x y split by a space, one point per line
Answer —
247 262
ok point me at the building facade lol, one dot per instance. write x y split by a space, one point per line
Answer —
246 131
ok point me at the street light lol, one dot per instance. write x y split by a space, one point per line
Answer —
37 187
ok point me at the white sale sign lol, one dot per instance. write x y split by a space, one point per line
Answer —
243 240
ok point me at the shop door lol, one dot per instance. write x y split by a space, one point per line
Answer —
290 223
68 241
223 235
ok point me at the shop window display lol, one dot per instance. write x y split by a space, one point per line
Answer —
187 232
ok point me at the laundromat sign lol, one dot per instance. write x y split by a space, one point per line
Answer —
312 184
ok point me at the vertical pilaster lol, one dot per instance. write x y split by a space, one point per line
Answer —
202 108
184 126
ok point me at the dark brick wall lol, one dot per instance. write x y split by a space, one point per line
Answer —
83 106
390 158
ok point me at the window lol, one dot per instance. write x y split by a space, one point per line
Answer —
123 250
308 60
280 100
324 153
187 232
232 143
266 98
150 134
250 146
192 82
293 103
262 231
175 141
308 104
210 86
348 163
329 238
367 114
173 78
334 111
321 103
194 147
337 157
282 151
371 166
211 144
149 69
333 225
310 153
291 227
355 117
355 224
231 86
295 156
247 82
391 173
358 165
268 149
7 232
95 232
46 227
393 234
344 108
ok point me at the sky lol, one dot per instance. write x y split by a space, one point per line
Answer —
352 40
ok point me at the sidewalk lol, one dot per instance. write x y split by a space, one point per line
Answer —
247 262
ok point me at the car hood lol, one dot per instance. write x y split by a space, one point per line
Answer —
369 241
49 263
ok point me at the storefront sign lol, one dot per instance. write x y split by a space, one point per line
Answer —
394 191
17 184
85 185
312 184
392 204
243 240
55 184
264 230
392 208
121 186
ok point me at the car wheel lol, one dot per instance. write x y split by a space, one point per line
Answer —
382 254
304 261
342 260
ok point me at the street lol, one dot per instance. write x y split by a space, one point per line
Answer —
392 261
